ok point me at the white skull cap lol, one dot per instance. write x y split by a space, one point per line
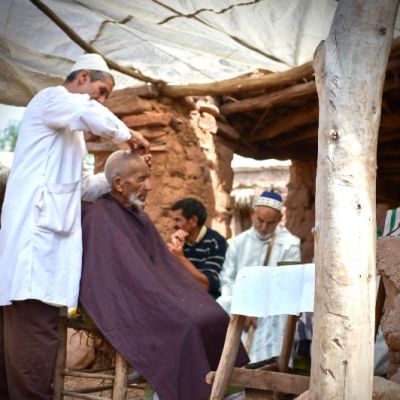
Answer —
92 62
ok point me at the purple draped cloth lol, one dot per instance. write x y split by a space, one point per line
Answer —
147 305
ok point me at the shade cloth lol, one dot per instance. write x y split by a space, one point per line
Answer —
177 41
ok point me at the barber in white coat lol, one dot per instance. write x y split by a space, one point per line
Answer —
40 237
265 243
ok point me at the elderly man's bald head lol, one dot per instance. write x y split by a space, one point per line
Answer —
119 162
128 175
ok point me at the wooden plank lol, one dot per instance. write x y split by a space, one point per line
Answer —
266 380
228 357
270 99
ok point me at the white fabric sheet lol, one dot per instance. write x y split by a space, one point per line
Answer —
178 41
262 292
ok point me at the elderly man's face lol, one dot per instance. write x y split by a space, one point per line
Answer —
135 183
265 220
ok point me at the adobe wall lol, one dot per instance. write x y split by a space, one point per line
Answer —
300 205
193 162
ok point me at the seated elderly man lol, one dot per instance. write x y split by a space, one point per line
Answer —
147 306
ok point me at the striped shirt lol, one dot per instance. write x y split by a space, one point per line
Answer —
208 255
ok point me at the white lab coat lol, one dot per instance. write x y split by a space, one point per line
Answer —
248 250
40 237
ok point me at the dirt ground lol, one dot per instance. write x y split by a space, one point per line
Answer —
74 383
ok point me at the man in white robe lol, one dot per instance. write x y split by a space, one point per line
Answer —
40 237
265 243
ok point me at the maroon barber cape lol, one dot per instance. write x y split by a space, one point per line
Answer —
147 305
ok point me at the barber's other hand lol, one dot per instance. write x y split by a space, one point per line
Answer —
248 322
138 142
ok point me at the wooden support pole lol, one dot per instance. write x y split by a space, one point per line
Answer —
350 71
228 357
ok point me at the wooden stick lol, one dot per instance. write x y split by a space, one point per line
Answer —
82 395
133 72
380 302
121 378
304 134
249 340
228 357
270 99
287 345
89 375
302 116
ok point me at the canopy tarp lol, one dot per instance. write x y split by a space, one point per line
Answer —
177 41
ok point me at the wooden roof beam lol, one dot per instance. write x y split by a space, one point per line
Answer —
270 99
300 117
240 85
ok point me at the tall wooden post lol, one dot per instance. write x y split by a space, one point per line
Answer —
350 71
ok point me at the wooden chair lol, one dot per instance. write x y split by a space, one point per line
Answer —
272 377
117 382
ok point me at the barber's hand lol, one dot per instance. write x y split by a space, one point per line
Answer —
138 143
248 322
90 137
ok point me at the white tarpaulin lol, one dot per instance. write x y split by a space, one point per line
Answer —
176 41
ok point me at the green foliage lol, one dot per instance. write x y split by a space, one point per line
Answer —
9 136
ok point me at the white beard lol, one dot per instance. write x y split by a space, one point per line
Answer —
263 236
134 201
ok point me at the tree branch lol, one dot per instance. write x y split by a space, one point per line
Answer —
133 72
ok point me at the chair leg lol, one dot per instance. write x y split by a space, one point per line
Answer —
58 383
120 390
228 357
287 346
